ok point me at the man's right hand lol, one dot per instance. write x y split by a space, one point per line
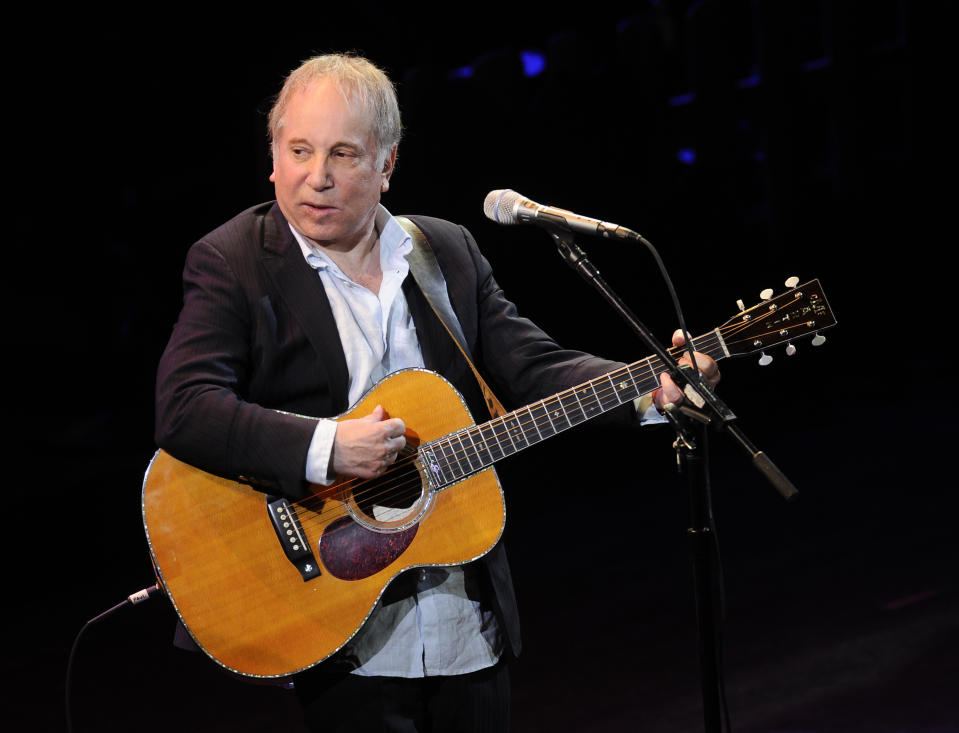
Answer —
365 447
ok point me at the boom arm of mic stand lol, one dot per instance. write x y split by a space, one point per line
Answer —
687 378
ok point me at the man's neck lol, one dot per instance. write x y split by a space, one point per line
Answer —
361 263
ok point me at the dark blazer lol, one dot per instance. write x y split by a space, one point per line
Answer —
254 358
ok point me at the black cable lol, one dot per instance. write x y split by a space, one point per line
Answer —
672 295
131 600
720 591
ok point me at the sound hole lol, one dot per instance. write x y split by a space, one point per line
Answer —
394 496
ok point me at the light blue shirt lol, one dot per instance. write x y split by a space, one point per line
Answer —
442 628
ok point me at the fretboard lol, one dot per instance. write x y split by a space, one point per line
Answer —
474 448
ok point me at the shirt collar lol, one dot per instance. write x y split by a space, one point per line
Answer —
395 244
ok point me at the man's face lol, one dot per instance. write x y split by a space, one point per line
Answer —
325 170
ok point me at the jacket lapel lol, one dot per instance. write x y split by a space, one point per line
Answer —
299 287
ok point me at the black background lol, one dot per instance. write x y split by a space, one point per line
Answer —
824 147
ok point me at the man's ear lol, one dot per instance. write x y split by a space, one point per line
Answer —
389 165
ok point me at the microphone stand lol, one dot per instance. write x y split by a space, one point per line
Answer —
692 454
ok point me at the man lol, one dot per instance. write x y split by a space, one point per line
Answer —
292 311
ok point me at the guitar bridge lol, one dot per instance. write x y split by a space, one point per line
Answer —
290 534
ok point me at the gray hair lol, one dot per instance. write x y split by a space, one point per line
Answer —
360 81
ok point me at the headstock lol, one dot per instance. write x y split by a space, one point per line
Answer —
779 319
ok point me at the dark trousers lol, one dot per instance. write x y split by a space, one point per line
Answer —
478 702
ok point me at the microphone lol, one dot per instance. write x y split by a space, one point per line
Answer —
505 206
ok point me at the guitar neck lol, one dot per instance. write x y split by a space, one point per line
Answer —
477 447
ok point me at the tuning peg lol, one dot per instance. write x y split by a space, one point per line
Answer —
790 350
818 340
765 360
740 305
766 294
792 282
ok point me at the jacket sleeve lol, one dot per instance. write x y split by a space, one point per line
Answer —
201 415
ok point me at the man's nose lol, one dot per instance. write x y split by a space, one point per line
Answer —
319 177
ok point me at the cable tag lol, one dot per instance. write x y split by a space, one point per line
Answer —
141 595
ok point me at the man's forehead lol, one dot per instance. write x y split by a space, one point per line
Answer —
328 93
324 102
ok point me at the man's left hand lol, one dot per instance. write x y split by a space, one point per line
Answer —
669 392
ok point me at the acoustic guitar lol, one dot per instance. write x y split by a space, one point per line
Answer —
269 587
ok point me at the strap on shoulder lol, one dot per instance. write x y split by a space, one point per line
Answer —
426 271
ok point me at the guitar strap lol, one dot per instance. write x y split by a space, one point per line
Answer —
426 271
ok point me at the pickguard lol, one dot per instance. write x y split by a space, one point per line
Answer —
353 552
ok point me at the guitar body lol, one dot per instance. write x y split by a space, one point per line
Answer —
222 564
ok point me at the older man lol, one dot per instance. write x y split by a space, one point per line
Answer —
292 311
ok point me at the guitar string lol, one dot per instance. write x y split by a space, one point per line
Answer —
471 455
648 368
389 483
596 392
592 395
499 428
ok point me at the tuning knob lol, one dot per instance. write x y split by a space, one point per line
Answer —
765 360
766 294
790 350
818 340
792 282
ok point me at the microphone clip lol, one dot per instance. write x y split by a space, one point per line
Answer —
571 252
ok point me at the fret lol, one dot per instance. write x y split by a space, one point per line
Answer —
515 430
624 387
457 455
434 471
471 452
453 456
544 425
571 409
556 414
594 404
580 404
610 397
439 462
447 460
511 448
532 419
646 381
493 446
479 442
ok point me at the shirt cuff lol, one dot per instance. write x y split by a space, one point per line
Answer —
318 456
646 410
